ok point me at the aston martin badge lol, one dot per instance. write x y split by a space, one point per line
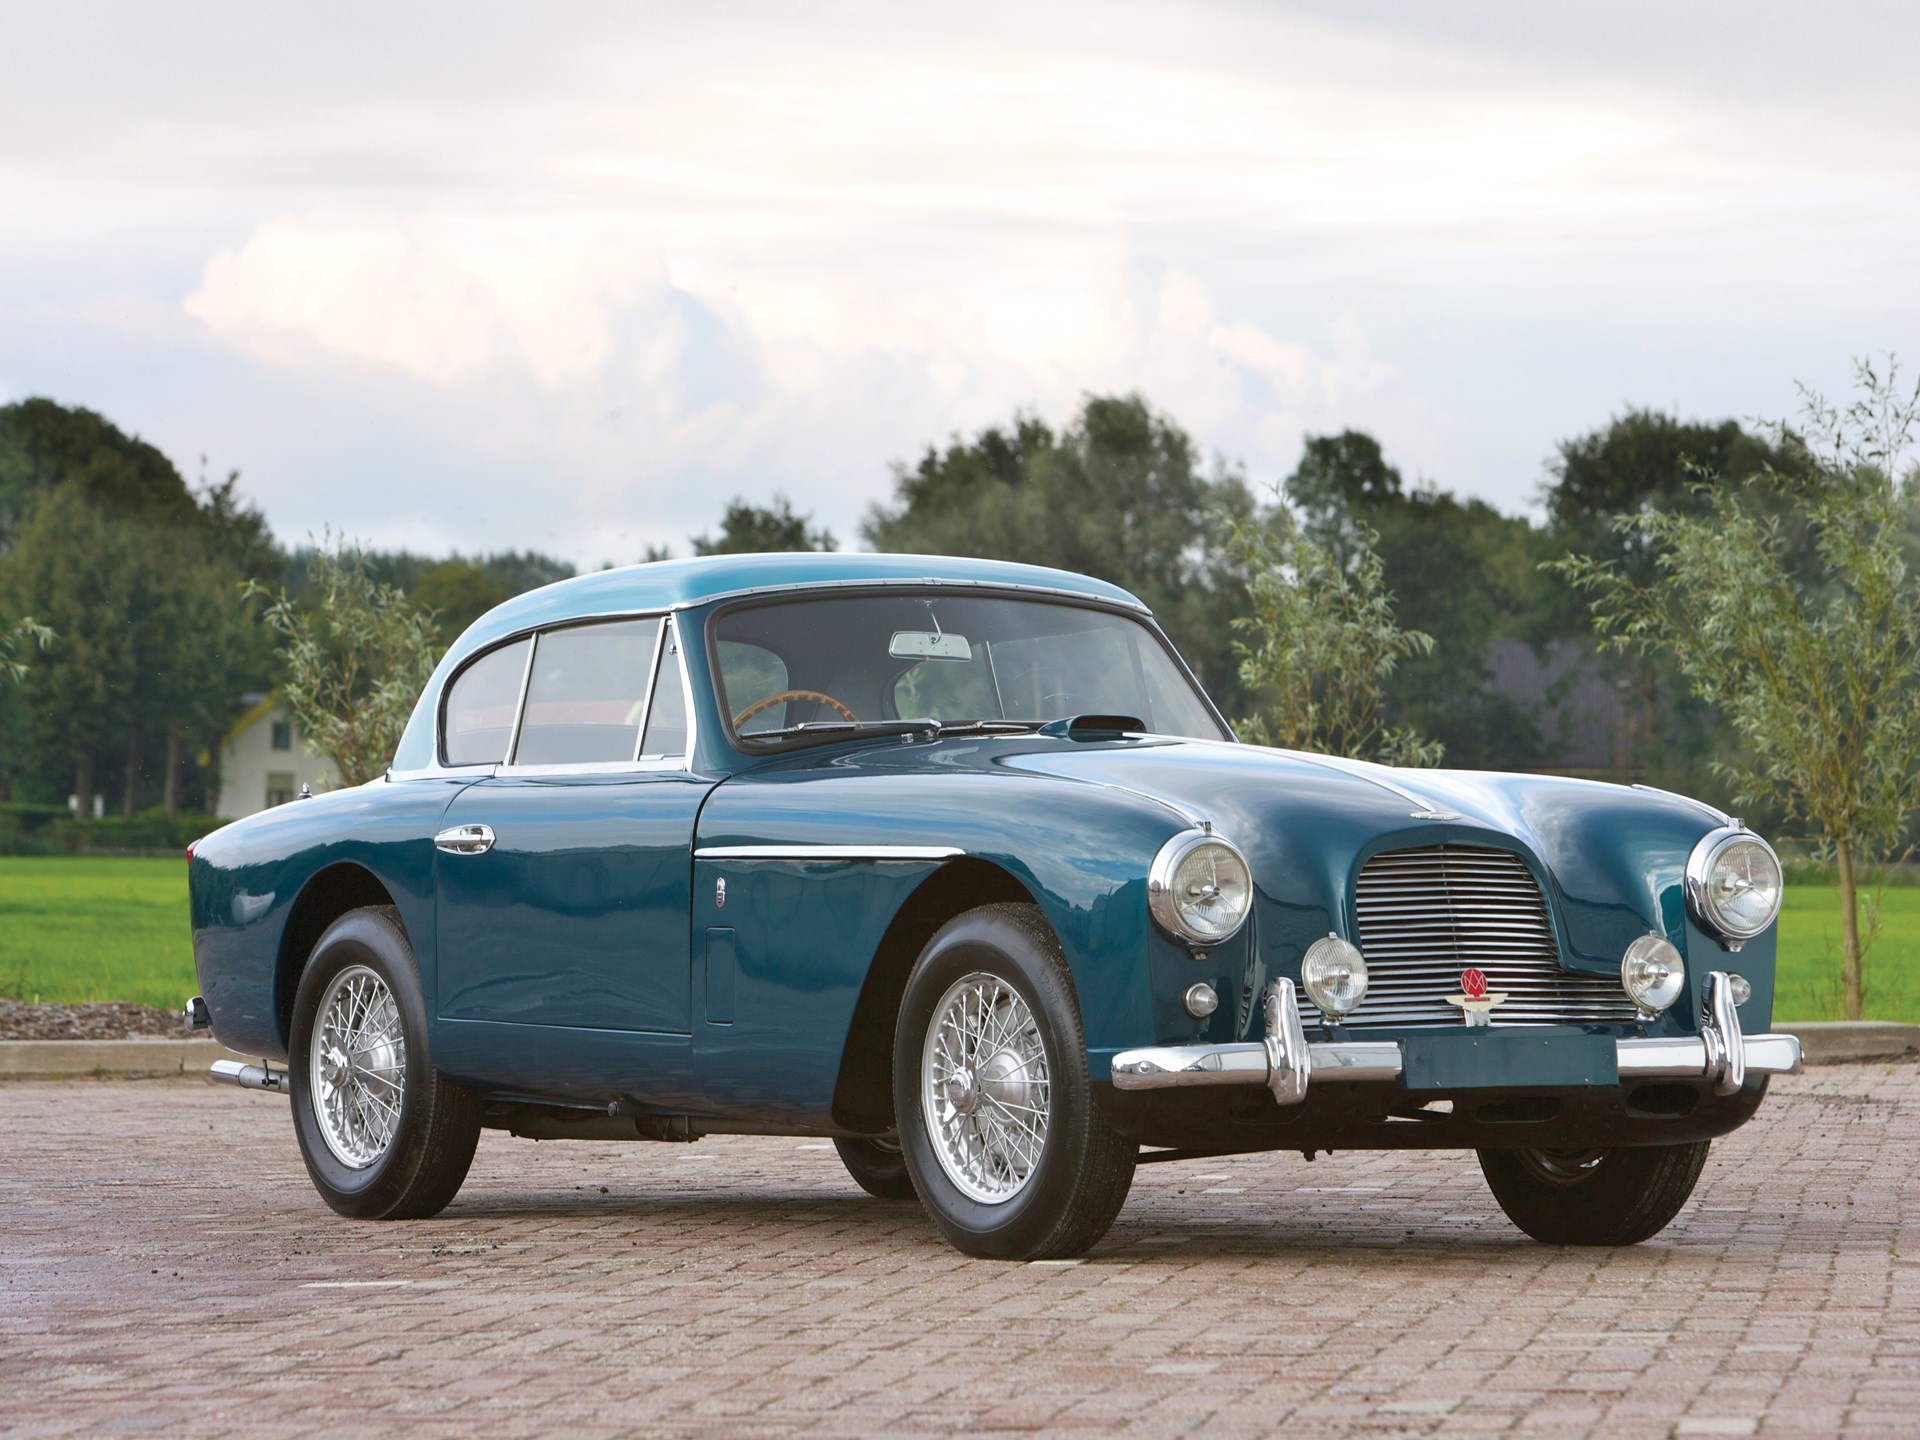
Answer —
1476 1002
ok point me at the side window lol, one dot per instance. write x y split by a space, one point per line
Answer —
480 706
587 692
748 675
667 721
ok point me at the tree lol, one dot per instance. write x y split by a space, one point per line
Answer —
1817 667
1118 494
1470 573
357 654
1318 643
751 529
141 648
14 639
45 445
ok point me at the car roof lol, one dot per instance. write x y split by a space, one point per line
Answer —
674 584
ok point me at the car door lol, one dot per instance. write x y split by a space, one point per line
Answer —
563 879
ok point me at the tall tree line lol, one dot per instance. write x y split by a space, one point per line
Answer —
139 576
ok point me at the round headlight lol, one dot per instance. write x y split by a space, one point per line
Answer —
1653 973
1334 975
1734 884
1199 888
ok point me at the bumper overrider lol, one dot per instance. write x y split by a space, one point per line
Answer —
1285 1062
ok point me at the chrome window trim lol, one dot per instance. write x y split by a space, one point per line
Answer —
520 706
880 853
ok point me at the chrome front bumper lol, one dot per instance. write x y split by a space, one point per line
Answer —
1284 1062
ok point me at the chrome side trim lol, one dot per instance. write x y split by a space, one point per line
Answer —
248 1077
881 853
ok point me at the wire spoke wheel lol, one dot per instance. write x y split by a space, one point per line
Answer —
358 1067
986 1088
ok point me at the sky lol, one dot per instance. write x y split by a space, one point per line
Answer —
484 276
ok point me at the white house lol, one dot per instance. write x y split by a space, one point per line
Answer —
263 762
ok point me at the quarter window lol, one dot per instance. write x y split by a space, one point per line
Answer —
587 694
481 705
667 720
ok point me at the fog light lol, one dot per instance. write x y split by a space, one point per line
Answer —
1201 1001
1653 974
1334 975
1740 989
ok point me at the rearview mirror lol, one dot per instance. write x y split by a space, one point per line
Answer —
929 645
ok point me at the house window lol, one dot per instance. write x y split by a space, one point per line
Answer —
279 787
283 735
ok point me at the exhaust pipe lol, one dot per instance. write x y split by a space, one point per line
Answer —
248 1077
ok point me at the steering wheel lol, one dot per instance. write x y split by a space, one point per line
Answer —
780 695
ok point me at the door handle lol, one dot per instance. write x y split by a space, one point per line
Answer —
465 840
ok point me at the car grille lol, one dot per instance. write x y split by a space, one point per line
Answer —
1426 915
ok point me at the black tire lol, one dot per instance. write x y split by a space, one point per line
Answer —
878 1167
419 1170
1056 1204
1598 1197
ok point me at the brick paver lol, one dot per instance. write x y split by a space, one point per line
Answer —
165 1266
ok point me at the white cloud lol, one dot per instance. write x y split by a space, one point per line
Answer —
651 257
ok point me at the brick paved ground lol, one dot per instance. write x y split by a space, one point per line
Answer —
164 1266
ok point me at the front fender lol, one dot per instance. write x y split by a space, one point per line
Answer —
246 881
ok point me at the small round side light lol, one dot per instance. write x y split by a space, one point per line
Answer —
1200 1000
1739 989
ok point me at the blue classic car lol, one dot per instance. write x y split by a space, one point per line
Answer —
955 863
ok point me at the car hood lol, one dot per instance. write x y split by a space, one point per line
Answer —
1612 857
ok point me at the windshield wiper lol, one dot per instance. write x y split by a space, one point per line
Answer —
989 727
828 729
832 729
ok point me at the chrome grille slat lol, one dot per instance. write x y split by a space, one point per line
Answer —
1426 915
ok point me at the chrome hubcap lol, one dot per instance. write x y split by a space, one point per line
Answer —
985 1088
359 1067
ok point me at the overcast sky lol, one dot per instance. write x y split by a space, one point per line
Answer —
481 276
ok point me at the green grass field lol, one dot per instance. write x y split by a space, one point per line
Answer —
103 929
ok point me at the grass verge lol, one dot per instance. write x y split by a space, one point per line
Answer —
77 929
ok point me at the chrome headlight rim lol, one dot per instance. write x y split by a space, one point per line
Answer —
1700 869
1160 901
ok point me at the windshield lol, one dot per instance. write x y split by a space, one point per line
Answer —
831 664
